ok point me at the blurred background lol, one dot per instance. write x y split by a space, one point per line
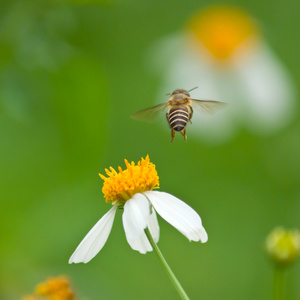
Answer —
71 74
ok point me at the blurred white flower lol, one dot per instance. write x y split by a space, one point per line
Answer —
222 52
132 190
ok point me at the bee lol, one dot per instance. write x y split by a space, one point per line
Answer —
179 110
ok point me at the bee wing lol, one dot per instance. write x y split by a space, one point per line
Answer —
150 114
208 106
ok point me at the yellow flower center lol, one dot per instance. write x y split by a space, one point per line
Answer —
57 288
222 29
137 178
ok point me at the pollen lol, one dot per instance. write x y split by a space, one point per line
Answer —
222 30
136 178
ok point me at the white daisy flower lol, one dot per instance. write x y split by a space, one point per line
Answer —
222 52
131 189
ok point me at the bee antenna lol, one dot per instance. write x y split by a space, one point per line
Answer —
168 94
193 89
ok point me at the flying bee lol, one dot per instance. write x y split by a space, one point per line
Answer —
179 110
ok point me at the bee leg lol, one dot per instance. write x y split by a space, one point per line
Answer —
191 114
183 132
167 116
173 135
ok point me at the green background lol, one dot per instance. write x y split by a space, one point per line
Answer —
71 74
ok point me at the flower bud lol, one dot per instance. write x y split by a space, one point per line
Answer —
283 246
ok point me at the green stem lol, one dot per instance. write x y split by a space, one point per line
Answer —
171 275
279 284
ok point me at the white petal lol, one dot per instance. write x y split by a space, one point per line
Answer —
153 226
267 89
140 243
95 239
135 220
178 214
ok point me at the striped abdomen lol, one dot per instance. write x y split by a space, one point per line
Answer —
178 117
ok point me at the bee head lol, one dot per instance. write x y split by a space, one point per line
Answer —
180 91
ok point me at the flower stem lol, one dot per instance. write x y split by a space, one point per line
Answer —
171 275
279 284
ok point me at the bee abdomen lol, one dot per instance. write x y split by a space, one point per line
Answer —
178 117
